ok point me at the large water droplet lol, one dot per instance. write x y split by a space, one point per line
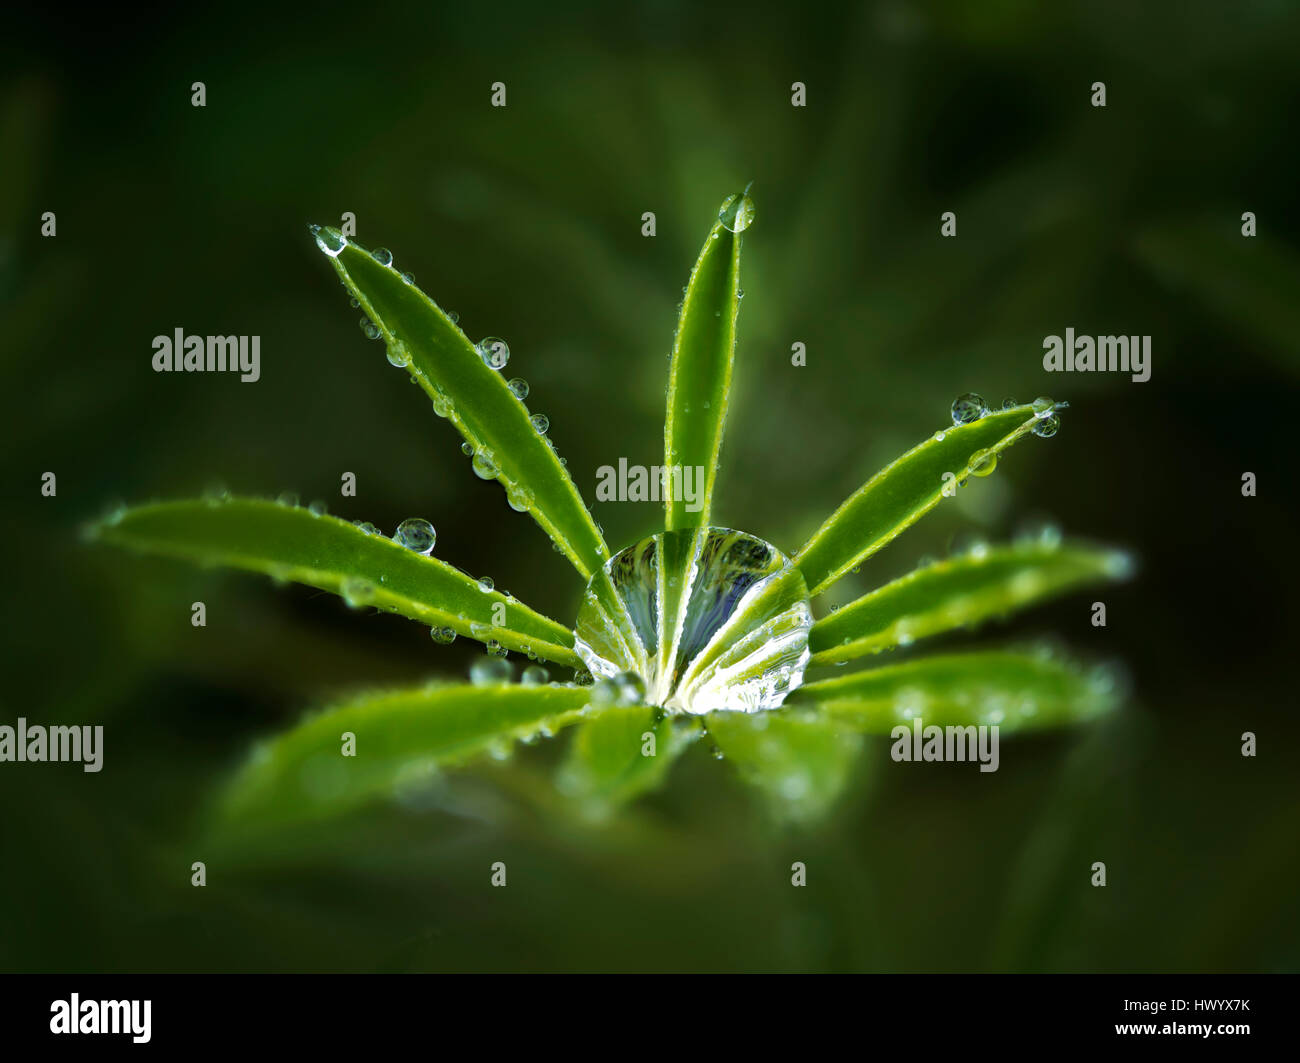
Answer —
519 387
486 585
723 627
967 408
331 241
540 422
483 467
399 356
1046 426
382 255
983 462
416 534
737 212
494 352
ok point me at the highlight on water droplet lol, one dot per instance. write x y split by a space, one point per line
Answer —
967 408
382 255
494 351
416 534
736 212
540 422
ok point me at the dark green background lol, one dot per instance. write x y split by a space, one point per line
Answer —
527 221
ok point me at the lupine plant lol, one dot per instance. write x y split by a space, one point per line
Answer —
699 632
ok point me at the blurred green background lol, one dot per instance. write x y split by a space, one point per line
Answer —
526 220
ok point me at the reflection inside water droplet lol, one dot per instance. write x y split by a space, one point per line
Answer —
708 620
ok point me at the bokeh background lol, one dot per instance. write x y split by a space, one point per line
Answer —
526 220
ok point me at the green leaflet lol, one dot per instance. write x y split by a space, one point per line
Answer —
474 397
290 543
799 758
1016 690
699 381
401 738
902 492
609 761
958 592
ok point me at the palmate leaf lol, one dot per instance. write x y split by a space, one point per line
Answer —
610 761
699 380
400 738
904 491
474 397
1017 690
959 592
290 543
800 758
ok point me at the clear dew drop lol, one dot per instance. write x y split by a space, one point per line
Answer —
1009 404
534 676
495 649
518 387
1046 427
540 423
444 636
452 316
371 330
399 356
494 351
354 302
409 278
482 466
967 408
317 508
736 213
486 585
488 670
416 534
366 527
331 241
382 255
1043 405
983 462
467 449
